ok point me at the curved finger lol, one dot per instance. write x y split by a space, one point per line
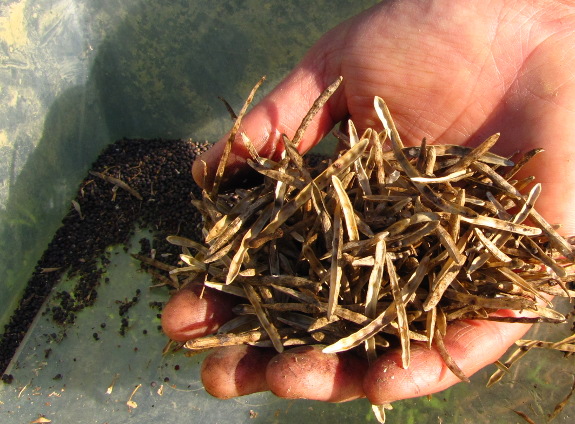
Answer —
471 344
236 371
280 112
305 372
195 311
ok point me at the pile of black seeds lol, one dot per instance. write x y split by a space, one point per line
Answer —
105 214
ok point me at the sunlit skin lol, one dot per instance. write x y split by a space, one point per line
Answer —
453 72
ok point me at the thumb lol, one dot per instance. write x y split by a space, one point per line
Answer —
280 112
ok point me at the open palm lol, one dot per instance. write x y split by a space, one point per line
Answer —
453 72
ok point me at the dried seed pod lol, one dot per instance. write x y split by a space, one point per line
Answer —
381 239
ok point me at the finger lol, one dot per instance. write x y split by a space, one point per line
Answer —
306 372
472 345
236 371
280 112
195 311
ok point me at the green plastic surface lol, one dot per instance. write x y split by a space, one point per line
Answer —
76 75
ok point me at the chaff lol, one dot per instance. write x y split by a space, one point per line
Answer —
383 239
117 183
228 147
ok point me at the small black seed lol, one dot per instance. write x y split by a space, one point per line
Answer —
7 378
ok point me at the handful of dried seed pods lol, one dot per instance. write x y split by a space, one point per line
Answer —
378 244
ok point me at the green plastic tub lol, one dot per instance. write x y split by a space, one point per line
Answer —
77 75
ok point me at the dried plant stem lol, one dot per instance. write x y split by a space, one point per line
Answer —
228 147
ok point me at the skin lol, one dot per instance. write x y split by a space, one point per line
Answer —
210 310
453 72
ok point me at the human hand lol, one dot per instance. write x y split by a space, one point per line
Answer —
453 72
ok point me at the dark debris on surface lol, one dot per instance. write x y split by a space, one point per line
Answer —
105 214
